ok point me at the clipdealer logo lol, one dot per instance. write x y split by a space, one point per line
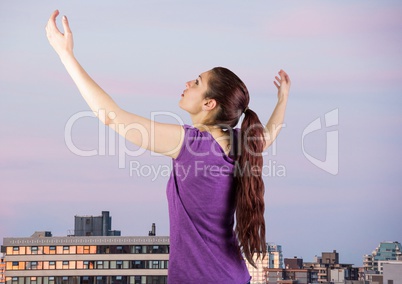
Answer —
331 162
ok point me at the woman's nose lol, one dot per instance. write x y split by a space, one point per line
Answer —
189 83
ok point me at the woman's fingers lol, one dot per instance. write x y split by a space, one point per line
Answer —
284 75
282 78
51 26
66 26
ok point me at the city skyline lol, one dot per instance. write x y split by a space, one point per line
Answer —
332 178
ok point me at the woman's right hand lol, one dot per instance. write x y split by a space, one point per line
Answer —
282 83
62 43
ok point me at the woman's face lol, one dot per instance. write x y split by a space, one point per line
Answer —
193 96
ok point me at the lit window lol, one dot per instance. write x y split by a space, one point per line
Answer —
52 248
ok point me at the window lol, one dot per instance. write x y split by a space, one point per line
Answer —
155 264
65 264
100 280
99 264
16 250
138 264
119 279
52 250
66 249
88 265
86 249
34 265
52 265
119 264
15 265
138 249
34 250
103 249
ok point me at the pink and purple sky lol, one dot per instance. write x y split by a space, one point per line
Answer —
343 56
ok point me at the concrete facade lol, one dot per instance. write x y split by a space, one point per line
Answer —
86 260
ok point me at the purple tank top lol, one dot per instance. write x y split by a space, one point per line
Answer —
200 193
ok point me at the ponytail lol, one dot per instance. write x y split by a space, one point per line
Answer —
232 97
250 223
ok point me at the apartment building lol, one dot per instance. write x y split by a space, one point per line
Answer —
273 259
2 269
385 252
43 259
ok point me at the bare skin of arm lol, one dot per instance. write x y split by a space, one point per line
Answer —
161 138
275 122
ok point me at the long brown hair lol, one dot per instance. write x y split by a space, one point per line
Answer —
232 99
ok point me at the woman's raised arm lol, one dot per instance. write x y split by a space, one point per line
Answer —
275 122
161 138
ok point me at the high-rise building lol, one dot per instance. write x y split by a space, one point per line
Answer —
273 259
94 225
257 273
275 256
385 251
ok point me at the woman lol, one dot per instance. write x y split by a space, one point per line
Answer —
217 170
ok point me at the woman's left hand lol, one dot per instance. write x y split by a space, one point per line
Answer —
62 43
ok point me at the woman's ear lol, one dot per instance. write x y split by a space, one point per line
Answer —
209 104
